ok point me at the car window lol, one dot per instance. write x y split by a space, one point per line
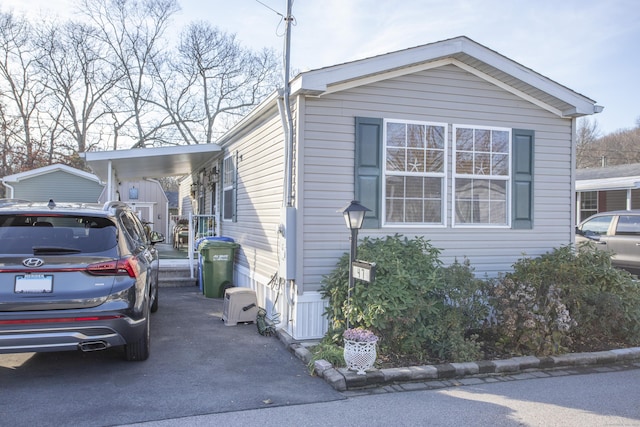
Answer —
140 228
628 225
28 234
597 226
133 228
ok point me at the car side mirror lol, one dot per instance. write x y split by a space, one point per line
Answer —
156 237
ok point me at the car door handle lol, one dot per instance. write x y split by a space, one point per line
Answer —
601 243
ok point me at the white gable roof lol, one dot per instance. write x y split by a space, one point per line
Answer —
51 168
620 177
461 51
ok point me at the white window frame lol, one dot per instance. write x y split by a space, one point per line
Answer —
441 175
507 178
228 183
581 207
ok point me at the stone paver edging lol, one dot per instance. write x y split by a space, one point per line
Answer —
342 379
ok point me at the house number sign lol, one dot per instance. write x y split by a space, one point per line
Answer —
365 271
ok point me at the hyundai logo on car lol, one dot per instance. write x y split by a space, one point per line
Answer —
33 262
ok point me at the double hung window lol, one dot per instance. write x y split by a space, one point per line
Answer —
481 176
415 168
407 171
228 188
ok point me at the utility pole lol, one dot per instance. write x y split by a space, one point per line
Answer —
287 106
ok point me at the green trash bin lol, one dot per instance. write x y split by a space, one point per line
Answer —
218 255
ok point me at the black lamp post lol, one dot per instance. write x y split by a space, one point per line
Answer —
353 217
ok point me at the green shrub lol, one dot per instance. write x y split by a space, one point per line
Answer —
409 305
605 301
549 303
529 318
326 350
566 300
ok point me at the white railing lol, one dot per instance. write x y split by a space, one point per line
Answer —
187 230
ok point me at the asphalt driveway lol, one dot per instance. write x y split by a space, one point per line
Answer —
197 366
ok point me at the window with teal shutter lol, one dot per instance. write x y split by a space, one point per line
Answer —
523 163
229 188
481 175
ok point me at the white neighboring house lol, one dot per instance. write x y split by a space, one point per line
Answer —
147 199
451 141
63 183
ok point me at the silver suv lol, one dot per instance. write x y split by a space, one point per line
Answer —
76 276
617 232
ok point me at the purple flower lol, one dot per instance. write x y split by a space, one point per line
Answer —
360 335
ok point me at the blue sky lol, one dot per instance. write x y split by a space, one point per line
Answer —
590 46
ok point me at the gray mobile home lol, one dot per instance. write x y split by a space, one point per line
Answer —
450 140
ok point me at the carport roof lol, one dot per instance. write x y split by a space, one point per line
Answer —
139 163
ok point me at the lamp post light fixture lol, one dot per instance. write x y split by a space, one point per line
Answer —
354 217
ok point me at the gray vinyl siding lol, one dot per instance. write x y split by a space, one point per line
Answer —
59 186
150 192
260 175
446 95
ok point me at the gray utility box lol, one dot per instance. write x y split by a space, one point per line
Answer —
240 306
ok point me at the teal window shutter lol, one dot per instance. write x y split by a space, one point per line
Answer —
522 178
368 168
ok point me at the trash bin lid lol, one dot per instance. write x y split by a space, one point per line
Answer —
213 238
216 242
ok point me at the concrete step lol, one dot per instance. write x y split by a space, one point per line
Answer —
176 273
176 282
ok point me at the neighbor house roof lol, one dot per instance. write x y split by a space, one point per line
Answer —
47 169
621 177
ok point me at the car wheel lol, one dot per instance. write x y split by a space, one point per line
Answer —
139 350
154 306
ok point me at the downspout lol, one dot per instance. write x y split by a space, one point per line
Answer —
287 230
11 190
574 207
285 126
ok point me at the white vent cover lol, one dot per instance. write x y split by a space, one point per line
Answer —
240 306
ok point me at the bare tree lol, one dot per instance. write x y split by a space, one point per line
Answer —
67 87
8 164
80 80
133 31
621 147
214 82
617 148
23 90
587 134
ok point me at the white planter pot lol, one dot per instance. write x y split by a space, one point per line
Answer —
359 356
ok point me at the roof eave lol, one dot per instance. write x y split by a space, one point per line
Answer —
324 80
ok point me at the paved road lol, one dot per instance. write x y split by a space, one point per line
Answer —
592 400
202 373
197 366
